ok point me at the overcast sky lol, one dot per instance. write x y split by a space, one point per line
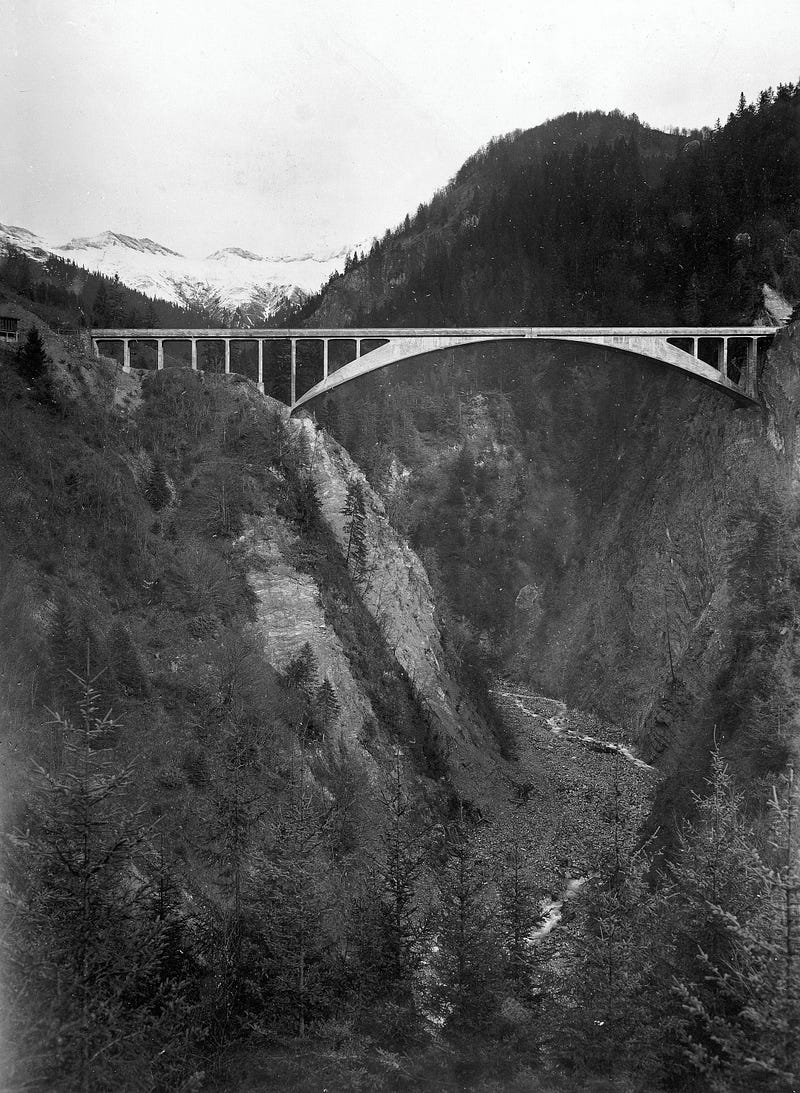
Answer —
288 126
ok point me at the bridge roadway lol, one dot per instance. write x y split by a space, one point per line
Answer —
725 356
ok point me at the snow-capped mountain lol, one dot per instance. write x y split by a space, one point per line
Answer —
233 284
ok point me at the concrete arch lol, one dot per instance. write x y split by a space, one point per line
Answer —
649 345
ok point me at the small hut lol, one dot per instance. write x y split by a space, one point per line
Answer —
9 328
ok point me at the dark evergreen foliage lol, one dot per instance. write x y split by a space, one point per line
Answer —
595 219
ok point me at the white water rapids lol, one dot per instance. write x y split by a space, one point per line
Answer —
557 723
558 726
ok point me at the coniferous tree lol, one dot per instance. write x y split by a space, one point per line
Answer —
326 706
612 1011
742 1011
467 961
232 935
302 670
32 361
295 900
157 490
355 528
393 926
717 892
87 989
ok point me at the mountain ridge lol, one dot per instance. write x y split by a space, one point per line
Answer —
234 285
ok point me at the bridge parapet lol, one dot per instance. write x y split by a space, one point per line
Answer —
725 356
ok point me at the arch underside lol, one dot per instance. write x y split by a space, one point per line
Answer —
650 348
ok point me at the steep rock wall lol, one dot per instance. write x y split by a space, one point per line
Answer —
649 627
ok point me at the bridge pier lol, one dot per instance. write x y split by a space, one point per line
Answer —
126 355
227 356
324 358
358 348
293 383
194 354
751 368
160 364
722 357
261 366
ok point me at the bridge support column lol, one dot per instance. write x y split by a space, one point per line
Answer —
293 388
126 355
194 354
722 357
324 358
751 368
96 347
227 356
358 348
695 344
160 353
261 366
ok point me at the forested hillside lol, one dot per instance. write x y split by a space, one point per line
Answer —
69 296
594 220
443 738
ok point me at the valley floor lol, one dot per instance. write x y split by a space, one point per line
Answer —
588 792
583 796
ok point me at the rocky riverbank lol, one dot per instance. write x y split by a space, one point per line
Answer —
586 791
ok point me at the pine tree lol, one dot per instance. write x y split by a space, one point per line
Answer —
157 490
518 910
326 706
295 901
355 529
301 671
467 960
87 990
392 925
613 1008
33 361
233 935
743 1022
125 661
720 895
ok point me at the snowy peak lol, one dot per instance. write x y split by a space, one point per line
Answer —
117 239
234 252
24 240
234 286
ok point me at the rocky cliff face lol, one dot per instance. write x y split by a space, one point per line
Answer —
687 582
396 594
617 535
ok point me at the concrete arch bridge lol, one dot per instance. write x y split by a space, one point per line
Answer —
301 364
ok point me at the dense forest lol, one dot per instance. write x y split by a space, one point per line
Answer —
594 220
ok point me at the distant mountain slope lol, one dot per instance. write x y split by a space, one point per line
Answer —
594 218
234 286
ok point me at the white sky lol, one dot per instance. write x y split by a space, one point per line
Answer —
304 125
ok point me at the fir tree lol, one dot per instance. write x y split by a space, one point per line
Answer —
157 490
743 1009
393 925
719 893
33 361
326 706
355 528
301 671
88 991
295 901
467 961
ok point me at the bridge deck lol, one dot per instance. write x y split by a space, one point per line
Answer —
568 332
403 343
